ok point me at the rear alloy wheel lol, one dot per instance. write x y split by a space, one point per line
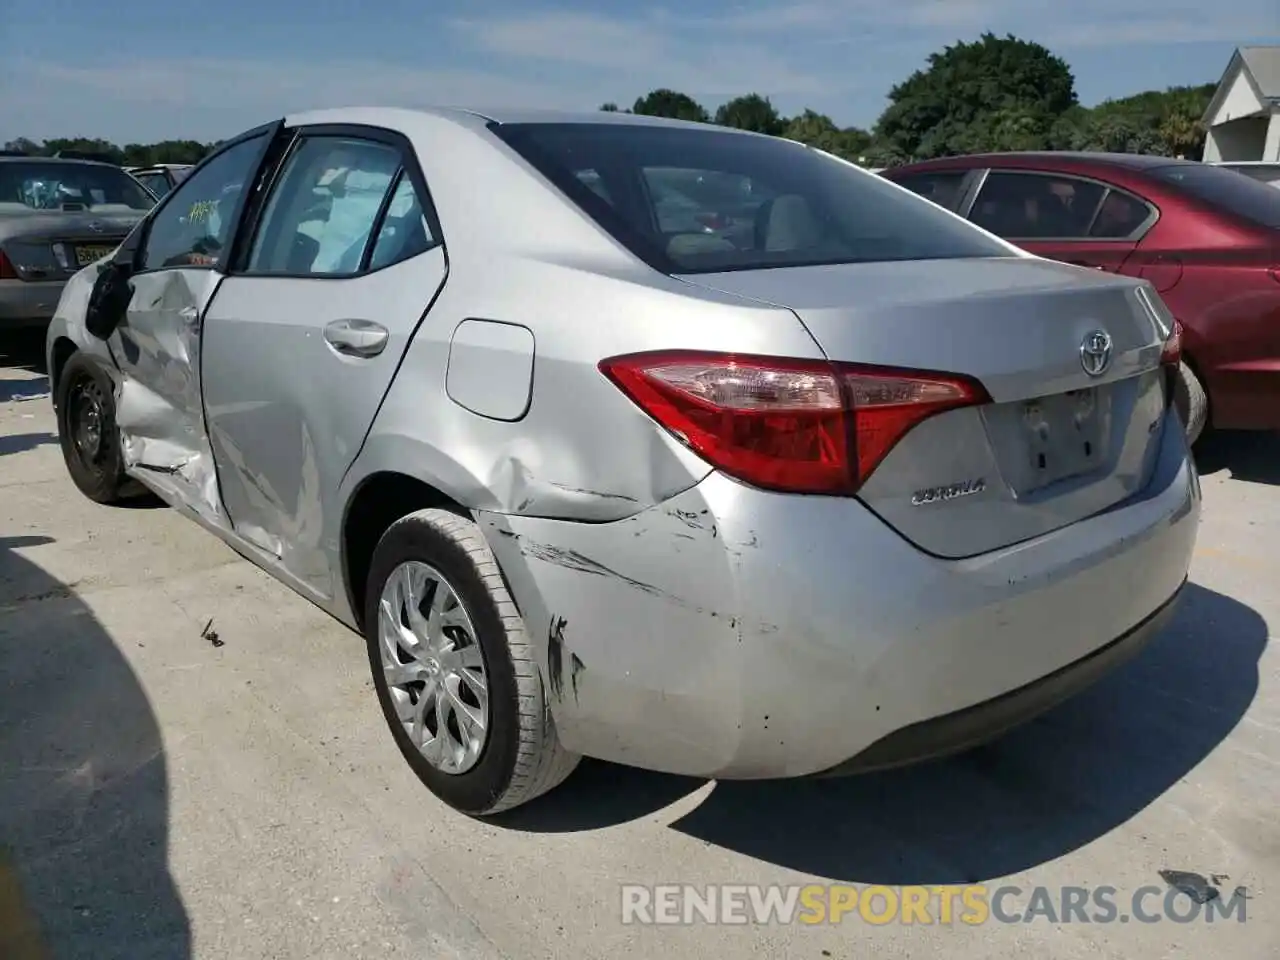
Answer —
87 432
454 671
1192 403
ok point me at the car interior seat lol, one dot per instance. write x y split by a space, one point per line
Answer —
786 223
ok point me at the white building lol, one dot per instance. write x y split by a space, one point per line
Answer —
1243 119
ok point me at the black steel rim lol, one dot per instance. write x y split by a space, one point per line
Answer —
87 420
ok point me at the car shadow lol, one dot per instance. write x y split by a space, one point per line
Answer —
1041 791
1252 456
24 390
22 442
84 804
23 349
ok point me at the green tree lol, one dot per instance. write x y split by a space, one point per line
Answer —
22 145
1163 122
931 112
1011 128
820 131
751 112
672 104
609 107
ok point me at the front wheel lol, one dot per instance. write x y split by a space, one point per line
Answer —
454 671
86 414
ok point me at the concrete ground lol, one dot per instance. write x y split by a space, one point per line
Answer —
163 796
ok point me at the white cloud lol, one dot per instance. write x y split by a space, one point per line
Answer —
643 52
181 98
839 56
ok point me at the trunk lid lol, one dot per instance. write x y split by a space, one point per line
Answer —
1056 445
53 245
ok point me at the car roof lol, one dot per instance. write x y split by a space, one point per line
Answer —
394 117
66 160
1132 161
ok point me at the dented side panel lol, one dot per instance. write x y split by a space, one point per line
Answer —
637 629
288 412
159 407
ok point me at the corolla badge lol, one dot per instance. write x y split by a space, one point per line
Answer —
950 491
1095 352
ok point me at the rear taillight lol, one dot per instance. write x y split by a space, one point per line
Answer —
800 426
6 269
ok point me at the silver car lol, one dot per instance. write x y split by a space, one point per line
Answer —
56 216
871 488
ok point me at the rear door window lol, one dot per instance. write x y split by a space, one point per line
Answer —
1036 206
322 212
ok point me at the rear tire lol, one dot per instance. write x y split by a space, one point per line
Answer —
86 413
521 756
1192 403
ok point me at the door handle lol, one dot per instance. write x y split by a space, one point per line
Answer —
357 338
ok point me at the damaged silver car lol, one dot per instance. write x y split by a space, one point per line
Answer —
850 485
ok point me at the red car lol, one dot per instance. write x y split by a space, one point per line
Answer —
1208 240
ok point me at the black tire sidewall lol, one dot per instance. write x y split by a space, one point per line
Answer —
101 483
1191 401
480 788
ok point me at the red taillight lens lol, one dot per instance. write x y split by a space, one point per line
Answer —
801 426
6 269
1171 355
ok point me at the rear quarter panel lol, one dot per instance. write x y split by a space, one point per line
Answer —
1217 276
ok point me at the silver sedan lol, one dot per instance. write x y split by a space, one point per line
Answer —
854 486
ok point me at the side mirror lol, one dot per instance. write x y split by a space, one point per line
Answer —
109 299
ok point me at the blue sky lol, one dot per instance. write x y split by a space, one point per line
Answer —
148 70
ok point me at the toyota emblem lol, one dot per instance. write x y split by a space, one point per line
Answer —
96 226
1095 353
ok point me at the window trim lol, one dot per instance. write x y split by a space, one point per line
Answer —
1134 236
964 191
131 254
409 164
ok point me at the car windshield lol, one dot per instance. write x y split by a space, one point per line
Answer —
66 185
704 200
1266 172
1233 192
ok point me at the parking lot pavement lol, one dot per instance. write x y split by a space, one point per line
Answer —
165 796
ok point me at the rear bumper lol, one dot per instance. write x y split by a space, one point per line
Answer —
28 304
972 726
736 633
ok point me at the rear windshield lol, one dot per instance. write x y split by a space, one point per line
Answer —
1266 172
699 201
66 185
1227 190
